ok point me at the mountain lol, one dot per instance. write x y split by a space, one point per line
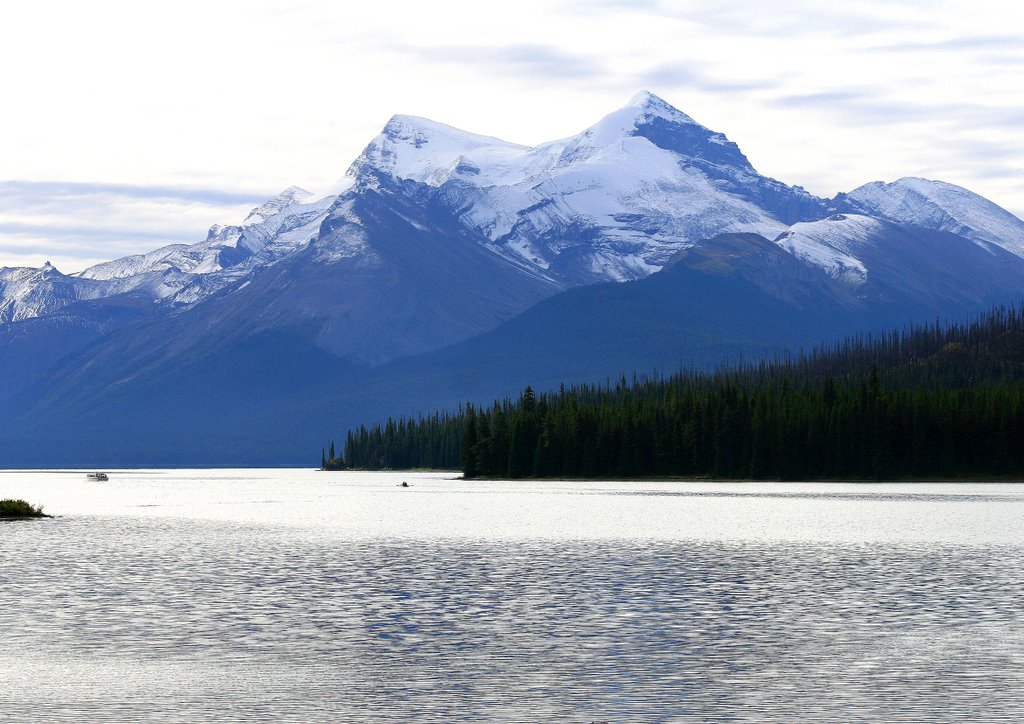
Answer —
941 207
447 265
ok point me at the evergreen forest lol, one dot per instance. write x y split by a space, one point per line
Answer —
929 401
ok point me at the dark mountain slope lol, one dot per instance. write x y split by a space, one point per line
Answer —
259 398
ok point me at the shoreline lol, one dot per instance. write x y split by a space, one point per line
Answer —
457 475
696 479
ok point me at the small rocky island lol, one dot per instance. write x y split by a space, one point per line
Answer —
11 508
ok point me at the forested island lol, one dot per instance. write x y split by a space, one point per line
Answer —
929 401
16 508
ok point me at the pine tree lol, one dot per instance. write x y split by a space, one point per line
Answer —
470 466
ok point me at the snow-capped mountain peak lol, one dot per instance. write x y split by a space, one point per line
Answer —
643 110
27 292
425 151
185 273
618 198
940 206
613 202
418 149
651 105
290 196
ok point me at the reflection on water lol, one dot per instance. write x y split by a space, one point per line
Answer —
177 615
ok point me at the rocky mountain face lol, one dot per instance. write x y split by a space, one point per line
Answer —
474 266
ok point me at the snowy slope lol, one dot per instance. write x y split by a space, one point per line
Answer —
942 207
27 292
166 271
606 204
905 269
832 244
178 275
612 203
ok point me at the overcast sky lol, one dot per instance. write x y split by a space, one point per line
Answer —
129 125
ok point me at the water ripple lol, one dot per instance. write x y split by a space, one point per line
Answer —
121 618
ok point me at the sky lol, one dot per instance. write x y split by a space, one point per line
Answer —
127 126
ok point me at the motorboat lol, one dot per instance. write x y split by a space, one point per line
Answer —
97 476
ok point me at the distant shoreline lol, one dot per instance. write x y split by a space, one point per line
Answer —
699 479
457 475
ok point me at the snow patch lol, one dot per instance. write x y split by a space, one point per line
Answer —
831 244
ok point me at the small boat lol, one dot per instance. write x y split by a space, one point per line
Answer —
97 476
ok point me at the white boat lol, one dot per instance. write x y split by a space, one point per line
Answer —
97 476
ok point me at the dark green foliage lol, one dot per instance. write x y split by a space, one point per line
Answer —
11 508
932 401
430 442
331 461
470 450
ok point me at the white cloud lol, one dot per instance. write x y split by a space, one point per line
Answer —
254 96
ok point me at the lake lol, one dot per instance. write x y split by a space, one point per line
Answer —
310 596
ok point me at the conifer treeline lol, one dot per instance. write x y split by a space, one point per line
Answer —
930 401
429 442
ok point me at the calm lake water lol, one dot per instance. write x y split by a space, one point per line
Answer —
309 596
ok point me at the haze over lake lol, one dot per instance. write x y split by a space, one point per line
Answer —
302 595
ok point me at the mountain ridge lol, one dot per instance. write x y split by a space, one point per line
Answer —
185 273
443 253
